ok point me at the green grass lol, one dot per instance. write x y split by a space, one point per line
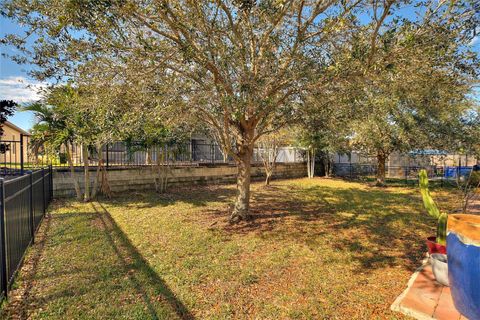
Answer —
319 248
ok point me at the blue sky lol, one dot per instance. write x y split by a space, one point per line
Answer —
15 84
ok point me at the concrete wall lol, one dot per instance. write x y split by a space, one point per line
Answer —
142 178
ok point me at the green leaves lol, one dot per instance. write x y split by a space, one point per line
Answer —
338 68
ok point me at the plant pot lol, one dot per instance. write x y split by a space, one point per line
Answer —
434 247
440 268
463 241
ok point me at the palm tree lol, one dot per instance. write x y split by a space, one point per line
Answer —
52 132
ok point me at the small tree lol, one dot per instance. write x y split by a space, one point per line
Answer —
468 186
416 88
323 127
268 148
96 122
64 122
52 130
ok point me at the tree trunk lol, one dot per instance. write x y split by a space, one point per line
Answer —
164 175
148 157
157 173
311 162
72 173
308 163
312 170
326 165
97 174
104 185
242 200
381 159
268 178
86 194
268 165
162 171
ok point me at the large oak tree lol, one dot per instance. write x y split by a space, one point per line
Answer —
243 67
240 66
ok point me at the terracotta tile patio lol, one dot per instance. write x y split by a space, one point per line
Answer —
425 298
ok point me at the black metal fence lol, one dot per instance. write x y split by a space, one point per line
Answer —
18 156
24 201
121 154
12 157
358 171
446 175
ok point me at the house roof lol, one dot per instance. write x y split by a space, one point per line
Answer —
11 125
428 152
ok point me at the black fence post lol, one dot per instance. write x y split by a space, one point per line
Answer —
21 155
32 219
192 157
43 190
458 168
213 152
3 258
51 183
106 157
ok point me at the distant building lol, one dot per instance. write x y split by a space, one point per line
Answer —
10 145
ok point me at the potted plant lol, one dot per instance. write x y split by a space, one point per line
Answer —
435 244
464 263
440 268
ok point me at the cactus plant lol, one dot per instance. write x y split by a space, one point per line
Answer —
432 208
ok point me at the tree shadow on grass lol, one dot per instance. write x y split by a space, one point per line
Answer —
69 273
130 257
378 227
15 307
197 196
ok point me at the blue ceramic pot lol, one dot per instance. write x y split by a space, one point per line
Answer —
463 242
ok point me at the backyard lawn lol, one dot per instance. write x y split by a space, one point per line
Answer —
317 249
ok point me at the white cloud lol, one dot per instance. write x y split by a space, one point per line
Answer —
20 89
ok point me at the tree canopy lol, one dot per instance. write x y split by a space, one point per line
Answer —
243 68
